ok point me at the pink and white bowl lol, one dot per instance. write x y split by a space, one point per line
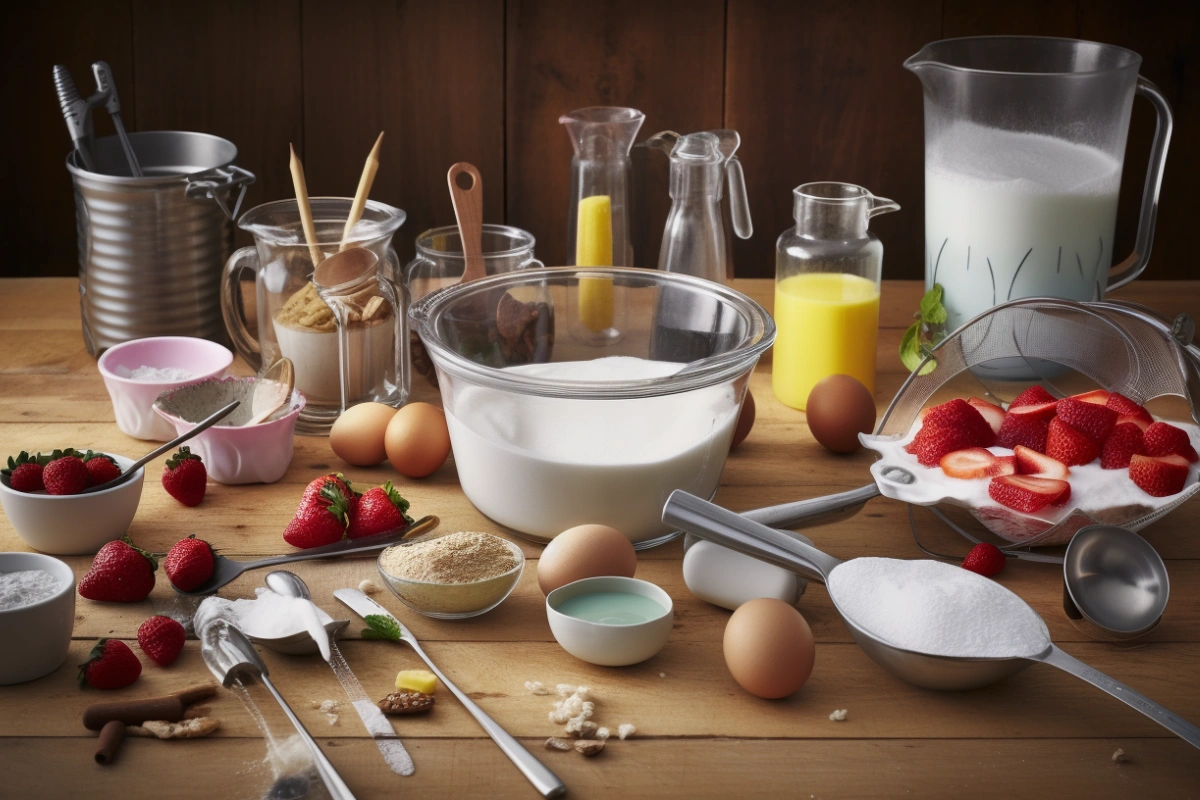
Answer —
232 451
132 400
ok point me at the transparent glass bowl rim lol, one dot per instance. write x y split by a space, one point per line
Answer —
516 234
515 548
390 220
925 58
426 312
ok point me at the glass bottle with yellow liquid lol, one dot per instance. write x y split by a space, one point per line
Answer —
827 274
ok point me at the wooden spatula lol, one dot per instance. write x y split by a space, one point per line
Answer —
468 209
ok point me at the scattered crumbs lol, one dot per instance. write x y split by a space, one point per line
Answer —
625 730
368 586
536 687
555 743
838 716
589 747
602 733
329 708
1119 757
662 674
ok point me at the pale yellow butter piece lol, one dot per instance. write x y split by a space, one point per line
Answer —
416 680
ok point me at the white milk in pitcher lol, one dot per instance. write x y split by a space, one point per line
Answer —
1011 215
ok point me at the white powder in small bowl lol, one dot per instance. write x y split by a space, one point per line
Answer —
26 587
935 608
153 374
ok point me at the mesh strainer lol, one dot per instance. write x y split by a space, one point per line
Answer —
1067 346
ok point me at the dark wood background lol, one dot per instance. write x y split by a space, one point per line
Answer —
815 87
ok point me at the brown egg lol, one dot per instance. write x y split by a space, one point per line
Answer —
839 409
745 421
769 648
417 440
357 435
585 551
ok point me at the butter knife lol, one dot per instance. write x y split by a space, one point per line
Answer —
546 782
389 744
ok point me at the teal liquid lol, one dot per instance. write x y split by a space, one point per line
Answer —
612 608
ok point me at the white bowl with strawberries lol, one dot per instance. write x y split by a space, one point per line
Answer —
40 493
1040 468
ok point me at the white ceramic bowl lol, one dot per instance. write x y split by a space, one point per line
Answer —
607 644
232 451
36 637
132 400
78 524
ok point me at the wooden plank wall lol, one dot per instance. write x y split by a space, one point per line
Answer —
815 87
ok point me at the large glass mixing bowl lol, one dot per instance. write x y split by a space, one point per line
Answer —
580 395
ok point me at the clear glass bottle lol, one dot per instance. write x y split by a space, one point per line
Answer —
827 274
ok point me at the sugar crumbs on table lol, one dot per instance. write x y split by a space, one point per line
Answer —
625 730
536 688
462 557
1119 757
368 586
838 715
555 743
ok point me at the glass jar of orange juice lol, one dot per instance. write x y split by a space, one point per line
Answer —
827 273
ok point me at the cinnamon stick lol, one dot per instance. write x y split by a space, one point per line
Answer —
111 736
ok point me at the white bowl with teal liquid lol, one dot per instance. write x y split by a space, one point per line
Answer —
610 621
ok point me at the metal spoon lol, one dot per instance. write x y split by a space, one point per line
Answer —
272 390
226 570
289 584
1115 581
724 527
204 425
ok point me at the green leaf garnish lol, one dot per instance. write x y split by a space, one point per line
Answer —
930 322
381 627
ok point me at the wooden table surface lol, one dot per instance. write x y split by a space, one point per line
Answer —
699 734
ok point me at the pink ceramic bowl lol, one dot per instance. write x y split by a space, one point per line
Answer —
132 399
232 451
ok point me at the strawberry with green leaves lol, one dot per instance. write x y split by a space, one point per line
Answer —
185 477
65 475
378 510
120 573
189 564
110 665
323 514
24 473
101 468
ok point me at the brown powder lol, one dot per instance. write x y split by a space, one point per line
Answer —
463 557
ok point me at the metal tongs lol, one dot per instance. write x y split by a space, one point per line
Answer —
78 113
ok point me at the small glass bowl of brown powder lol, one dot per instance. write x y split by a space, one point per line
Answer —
454 575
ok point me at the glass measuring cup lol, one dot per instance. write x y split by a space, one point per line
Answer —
355 353
1024 148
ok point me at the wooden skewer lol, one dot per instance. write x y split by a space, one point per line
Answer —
364 189
306 217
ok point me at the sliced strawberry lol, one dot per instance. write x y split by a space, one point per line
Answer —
1031 462
1042 411
1098 397
949 427
985 559
991 412
1068 445
1159 477
1063 498
1024 426
974 462
1033 396
1123 443
1005 465
1132 420
1089 418
1127 408
1162 439
1027 494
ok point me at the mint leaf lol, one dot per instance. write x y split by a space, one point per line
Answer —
381 627
932 310
911 351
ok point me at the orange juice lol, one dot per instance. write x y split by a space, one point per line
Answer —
828 323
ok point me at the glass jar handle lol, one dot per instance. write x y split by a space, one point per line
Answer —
232 305
397 292
1133 266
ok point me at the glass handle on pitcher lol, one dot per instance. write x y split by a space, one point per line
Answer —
232 305
397 293
739 203
1132 266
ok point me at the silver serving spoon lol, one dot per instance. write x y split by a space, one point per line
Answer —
272 390
1115 581
204 425
226 570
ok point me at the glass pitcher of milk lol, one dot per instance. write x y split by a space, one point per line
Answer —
1024 146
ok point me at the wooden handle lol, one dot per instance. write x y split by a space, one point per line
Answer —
306 217
468 209
364 189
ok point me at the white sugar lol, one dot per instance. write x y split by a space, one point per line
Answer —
26 587
267 616
153 374
936 608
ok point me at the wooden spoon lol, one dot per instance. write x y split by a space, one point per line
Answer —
306 217
468 210
272 390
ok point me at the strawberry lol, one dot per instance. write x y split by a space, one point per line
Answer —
25 473
1162 439
1125 441
185 477
101 468
1096 397
110 665
1033 396
189 564
1026 425
1068 445
1027 494
65 475
973 462
984 559
1159 476
1031 462
1127 408
1091 419
120 573
161 638
380 509
994 414
1132 420
315 486
949 427
321 517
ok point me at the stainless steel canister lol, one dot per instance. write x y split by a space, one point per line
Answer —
151 249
